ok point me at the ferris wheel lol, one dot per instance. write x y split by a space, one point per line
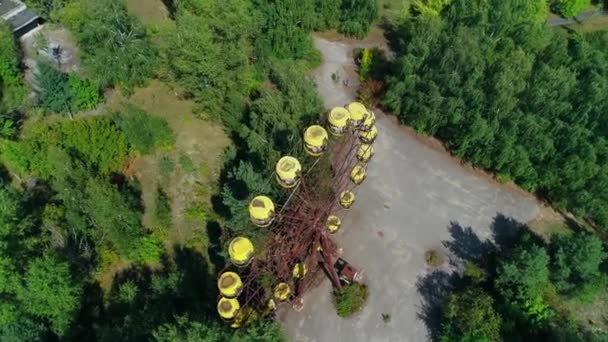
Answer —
299 245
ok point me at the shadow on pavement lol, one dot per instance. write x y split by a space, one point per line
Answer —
464 246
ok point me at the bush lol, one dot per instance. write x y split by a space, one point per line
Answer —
53 88
144 132
12 91
351 299
570 8
59 92
85 95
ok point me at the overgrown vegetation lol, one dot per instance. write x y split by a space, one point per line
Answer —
80 264
510 95
510 293
350 300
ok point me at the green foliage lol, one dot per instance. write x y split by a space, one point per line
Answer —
350 300
144 132
470 316
45 8
50 293
85 94
207 52
96 141
191 331
116 50
524 274
508 94
576 260
127 291
570 8
60 93
148 250
357 17
431 7
12 91
53 89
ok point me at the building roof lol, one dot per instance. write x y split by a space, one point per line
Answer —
23 19
17 14
8 8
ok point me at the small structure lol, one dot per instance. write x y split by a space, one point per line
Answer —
300 270
347 199
315 140
229 284
338 120
365 153
228 308
333 223
288 171
261 211
358 113
282 291
358 174
370 136
369 121
21 19
240 251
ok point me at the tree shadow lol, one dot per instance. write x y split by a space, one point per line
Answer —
215 250
464 246
142 298
434 289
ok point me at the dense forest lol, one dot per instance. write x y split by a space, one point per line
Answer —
71 212
510 95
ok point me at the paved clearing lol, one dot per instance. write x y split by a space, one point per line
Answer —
411 197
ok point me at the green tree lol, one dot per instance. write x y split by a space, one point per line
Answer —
357 17
470 316
50 293
12 91
116 49
144 132
576 260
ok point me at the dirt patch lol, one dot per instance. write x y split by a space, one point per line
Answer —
53 44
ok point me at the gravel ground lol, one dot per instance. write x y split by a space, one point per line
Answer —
414 199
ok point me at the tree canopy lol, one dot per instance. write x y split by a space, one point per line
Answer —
509 95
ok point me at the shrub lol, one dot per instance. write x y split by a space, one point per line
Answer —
570 8
144 132
433 258
351 299
149 250
85 95
53 89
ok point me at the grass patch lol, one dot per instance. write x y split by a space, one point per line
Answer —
351 299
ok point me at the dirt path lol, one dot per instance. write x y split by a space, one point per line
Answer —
414 199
